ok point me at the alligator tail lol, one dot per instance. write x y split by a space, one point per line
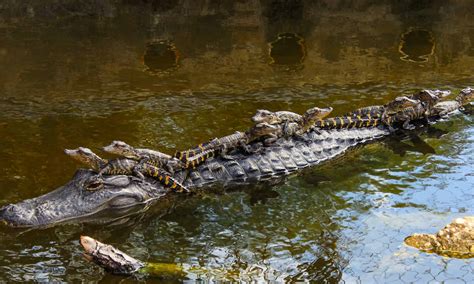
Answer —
163 177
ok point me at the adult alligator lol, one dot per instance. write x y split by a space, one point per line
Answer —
73 202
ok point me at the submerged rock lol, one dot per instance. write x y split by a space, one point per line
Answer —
454 240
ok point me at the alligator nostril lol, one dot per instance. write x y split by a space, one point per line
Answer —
17 214
6 210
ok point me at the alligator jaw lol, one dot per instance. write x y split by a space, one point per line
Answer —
72 201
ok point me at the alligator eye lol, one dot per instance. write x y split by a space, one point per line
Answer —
93 184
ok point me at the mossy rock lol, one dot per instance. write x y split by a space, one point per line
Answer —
454 240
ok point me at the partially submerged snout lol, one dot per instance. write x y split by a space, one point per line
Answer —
18 215
121 196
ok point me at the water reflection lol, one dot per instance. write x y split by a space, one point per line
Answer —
287 49
68 80
160 55
416 45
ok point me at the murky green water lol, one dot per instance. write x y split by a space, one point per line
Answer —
169 75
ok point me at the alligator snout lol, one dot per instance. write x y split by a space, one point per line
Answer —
16 215
3 212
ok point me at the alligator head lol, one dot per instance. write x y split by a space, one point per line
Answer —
465 96
121 148
430 97
263 115
120 195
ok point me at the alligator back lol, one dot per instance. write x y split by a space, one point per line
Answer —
279 159
410 112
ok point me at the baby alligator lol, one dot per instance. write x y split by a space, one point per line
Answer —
121 166
429 98
443 108
197 155
152 157
292 123
426 100
395 106
378 110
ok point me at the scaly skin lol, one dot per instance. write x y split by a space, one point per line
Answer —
123 149
193 157
426 100
122 193
277 117
378 110
291 123
310 118
405 117
120 166
370 111
444 108
347 122
73 202
429 98
400 103
87 157
152 157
